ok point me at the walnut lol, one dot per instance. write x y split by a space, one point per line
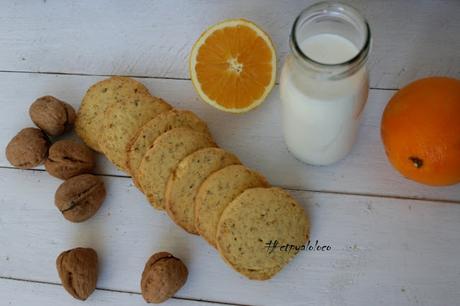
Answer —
163 276
78 270
53 116
28 148
80 197
67 158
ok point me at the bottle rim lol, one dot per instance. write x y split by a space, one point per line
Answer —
353 63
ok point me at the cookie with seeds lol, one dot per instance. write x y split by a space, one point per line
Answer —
217 191
255 274
164 156
253 219
147 134
121 122
88 124
184 182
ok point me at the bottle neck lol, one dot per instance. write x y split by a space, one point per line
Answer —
341 21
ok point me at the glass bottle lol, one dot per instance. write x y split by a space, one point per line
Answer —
324 82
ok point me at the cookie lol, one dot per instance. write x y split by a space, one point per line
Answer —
255 274
147 134
122 120
164 156
88 124
217 191
253 219
184 182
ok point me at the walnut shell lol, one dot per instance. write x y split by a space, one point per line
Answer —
80 197
163 276
28 148
67 158
78 270
52 115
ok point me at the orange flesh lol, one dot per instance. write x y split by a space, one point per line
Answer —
234 66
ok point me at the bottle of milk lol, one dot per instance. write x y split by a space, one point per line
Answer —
324 82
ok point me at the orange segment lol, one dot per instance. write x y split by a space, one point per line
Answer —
233 65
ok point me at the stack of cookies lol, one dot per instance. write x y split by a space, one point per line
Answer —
174 161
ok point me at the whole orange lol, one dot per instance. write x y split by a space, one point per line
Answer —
421 131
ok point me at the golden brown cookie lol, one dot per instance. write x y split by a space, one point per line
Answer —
184 182
147 134
88 124
255 274
217 191
253 219
164 156
121 122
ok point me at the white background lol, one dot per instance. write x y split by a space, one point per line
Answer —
394 242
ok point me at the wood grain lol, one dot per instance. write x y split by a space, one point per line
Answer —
389 247
17 292
384 251
255 137
412 38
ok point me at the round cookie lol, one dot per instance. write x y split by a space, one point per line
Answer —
147 134
253 219
255 274
217 191
88 124
121 122
164 156
184 182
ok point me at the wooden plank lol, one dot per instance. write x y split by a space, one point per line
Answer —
153 38
255 137
19 293
384 251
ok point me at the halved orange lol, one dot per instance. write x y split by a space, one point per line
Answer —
233 65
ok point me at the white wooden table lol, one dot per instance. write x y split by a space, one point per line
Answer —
394 242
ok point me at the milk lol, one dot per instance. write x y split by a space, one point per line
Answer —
321 116
328 48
